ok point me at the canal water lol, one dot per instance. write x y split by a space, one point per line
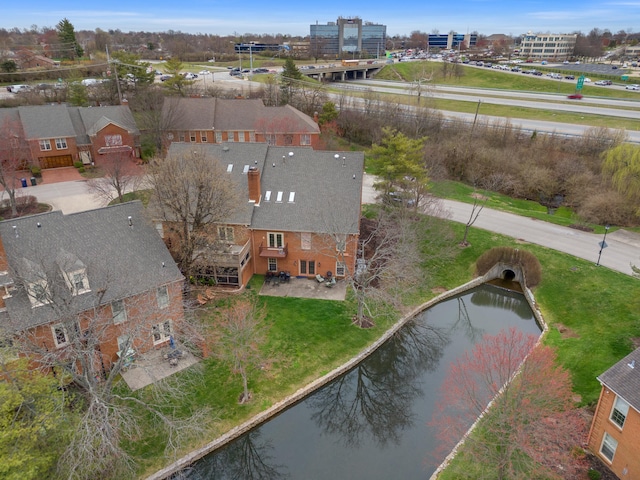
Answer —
371 423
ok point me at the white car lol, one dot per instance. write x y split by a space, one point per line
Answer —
204 72
190 76
633 87
18 88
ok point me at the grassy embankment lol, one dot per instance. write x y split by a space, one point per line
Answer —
597 307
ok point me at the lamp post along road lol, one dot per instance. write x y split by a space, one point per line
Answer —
603 244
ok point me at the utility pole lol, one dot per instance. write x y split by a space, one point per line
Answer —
115 71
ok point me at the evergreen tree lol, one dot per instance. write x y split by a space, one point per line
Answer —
289 78
69 47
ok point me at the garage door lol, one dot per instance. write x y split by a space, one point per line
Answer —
55 162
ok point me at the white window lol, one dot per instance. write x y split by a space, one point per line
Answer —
203 137
118 311
124 341
245 169
305 139
38 293
271 139
267 196
230 137
113 140
181 137
272 264
161 332
292 196
163 297
61 143
242 137
305 241
340 269
60 336
218 137
341 243
276 240
279 197
192 136
230 168
619 412
160 229
225 234
78 282
608 447
45 145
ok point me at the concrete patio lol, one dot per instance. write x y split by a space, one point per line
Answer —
305 288
152 366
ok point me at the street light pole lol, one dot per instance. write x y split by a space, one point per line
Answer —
603 244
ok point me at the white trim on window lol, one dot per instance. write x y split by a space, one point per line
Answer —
305 139
608 447
341 269
45 145
61 144
619 412
161 332
118 311
305 241
162 294
60 337
38 293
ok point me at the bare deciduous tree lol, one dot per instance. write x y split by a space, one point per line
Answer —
120 176
191 193
14 155
240 332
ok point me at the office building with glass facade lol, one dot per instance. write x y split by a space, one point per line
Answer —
347 38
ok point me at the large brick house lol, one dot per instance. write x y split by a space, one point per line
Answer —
615 431
60 135
216 120
300 211
102 274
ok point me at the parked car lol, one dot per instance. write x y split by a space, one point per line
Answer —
164 77
190 76
633 87
18 88
575 96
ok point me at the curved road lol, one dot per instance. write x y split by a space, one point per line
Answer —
623 247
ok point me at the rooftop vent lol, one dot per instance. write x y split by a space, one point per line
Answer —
225 149
632 364
15 231
130 221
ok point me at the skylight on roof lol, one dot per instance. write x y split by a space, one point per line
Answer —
230 168
267 196
292 196
245 169
279 197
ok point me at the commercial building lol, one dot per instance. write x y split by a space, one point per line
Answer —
548 46
348 37
452 40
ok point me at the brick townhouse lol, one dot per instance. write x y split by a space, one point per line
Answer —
615 431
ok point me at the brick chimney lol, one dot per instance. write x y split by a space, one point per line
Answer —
253 179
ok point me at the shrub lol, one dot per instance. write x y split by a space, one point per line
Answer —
36 171
78 165
81 169
594 474
527 261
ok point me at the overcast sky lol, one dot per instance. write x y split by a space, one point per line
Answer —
294 17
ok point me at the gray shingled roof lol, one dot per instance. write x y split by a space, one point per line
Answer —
125 260
234 114
624 380
240 158
189 113
327 197
62 121
46 121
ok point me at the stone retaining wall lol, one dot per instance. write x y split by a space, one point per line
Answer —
308 389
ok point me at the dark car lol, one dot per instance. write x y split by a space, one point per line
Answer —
570 77
575 96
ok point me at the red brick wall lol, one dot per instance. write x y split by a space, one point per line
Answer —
322 251
142 314
99 141
36 153
626 461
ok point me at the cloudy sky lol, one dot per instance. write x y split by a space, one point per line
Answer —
294 17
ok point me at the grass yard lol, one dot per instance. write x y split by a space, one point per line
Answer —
597 311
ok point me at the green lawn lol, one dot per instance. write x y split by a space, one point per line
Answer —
599 309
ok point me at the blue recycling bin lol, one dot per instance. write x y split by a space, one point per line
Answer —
24 182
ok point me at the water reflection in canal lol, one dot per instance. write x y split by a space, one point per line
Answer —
371 423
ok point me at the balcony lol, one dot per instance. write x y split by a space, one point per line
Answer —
274 252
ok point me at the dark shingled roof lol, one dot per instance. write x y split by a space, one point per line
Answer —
233 115
125 260
624 380
63 121
327 191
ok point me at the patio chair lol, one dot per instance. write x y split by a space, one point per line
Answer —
319 278
330 283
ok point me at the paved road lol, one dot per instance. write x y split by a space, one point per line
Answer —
623 247
70 197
